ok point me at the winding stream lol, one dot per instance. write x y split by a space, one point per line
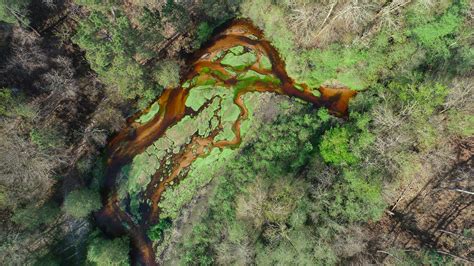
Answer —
113 219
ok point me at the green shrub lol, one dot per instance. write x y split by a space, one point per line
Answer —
204 32
103 251
167 74
112 48
363 197
80 203
437 36
335 148
156 231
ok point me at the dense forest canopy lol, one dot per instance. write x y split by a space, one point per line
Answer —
236 132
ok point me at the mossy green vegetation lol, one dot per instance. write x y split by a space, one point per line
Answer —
239 62
250 101
303 184
201 94
14 11
176 197
296 192
136 176
265 62
249 78
155 233
148 116
237 50
102 251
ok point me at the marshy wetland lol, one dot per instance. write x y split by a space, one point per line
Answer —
194 127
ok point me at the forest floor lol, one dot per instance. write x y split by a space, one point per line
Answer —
432 212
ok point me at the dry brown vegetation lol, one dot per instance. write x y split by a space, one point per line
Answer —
433 210
320 23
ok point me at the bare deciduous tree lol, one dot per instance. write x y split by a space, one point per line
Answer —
25 172
461 94
323 22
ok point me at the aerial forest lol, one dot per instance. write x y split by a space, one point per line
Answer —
237 132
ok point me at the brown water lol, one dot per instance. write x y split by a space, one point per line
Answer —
135 138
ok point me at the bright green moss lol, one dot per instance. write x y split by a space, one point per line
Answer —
250 101
251 77
230 111
218 56
205 70
180 133
316 93
174 198
299 87
226 134
239 62
203 121
145 118
237 50
199 95
205 82
220 75
265 62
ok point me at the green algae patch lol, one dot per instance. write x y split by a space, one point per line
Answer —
230 71
181 133
316 93
265 62
226 134
205 121
229 113
250 77
299 87
239 62
218 56
201 94
145 118
204 81
250 101
237 50
187 84
205 70
220 74
176 197
136 176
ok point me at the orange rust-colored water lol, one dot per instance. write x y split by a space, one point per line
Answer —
135 138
